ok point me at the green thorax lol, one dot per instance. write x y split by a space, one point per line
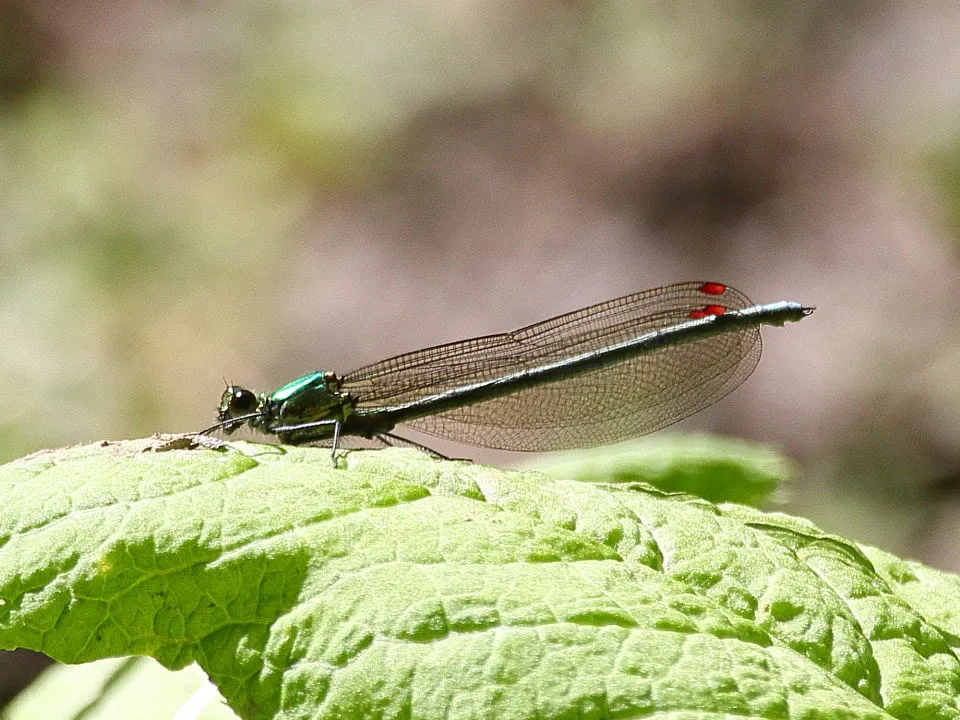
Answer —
313 397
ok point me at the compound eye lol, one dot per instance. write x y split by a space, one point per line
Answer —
243 402
237 401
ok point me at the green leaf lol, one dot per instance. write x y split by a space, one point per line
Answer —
716 469
116 689
398 586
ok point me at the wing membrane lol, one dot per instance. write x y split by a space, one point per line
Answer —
631 398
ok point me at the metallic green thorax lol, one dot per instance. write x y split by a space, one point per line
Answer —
292 388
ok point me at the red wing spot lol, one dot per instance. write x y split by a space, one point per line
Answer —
713 288
707 311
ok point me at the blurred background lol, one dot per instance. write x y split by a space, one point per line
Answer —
261 189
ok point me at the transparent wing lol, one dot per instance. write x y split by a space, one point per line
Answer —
631 398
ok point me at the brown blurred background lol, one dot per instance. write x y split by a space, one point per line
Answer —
260 189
